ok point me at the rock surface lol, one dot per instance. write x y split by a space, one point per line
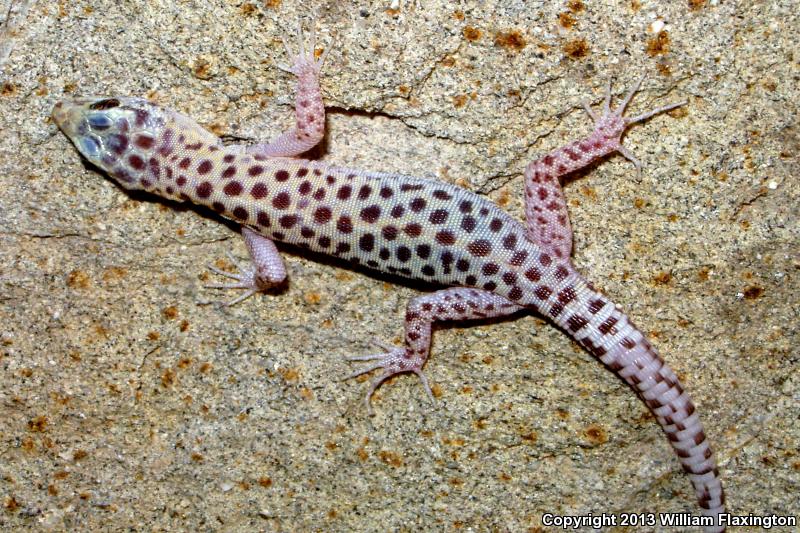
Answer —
126 405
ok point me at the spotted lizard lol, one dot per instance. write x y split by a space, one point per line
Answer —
411 227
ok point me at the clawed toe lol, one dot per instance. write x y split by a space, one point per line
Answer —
611 124
392 361
305 55
245 280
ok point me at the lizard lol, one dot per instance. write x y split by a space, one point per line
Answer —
406 226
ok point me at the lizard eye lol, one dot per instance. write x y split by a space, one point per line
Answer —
99 121
108 103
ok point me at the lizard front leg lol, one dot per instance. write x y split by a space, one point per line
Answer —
449 304
309 110
265 270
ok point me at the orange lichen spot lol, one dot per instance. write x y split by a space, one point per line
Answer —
29 445
52 490
596 434
658 44
454 441
467 389
472 34
249 10
170 313
197 457
273 3
79 454
576 49
37 424
456 481
530 437
61 474
306 393
114 273
672 217
78 279
153 336
42 90
8 89
566 20
480 423
576 6
436 389
487 360
695 5
168 378
664 69
289 374
704 273
343 275
662 278
458 14
460 100
404 90
391 458
639 203
589 192
184 325
11 504
184 363
362 454
753 292
331 445
563 414
503 198
202 69
510 40
265 481
26 372
332 514
217 128
502 476
312 298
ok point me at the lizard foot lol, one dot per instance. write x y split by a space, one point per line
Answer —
246 280
305 58
610 126
394 360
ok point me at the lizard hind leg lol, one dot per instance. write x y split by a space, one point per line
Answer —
457 303
609 127
545 206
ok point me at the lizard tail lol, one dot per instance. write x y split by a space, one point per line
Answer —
607 333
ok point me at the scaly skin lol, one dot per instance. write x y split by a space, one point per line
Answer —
412 227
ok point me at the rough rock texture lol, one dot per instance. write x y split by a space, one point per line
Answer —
124 404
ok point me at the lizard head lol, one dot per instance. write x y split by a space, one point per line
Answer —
117 135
